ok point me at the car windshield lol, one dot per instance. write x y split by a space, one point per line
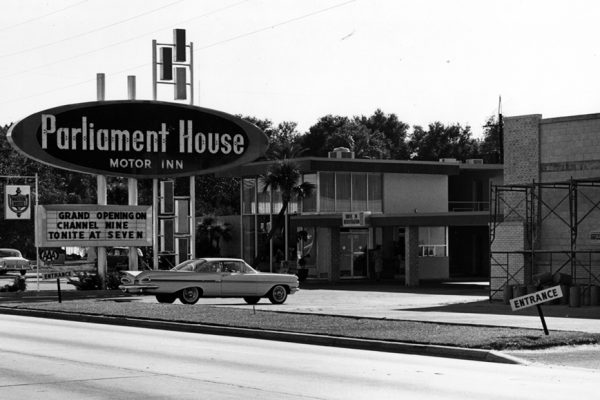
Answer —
188 265
9 253
212 266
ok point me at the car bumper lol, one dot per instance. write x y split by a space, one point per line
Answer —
137 289
294 290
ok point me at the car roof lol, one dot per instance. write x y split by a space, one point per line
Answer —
219 259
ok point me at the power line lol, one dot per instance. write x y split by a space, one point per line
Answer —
42 16
21 72
89 32
277 25
201 48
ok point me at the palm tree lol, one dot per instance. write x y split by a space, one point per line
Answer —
210 232
285 176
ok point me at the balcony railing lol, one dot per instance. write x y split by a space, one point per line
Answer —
458 206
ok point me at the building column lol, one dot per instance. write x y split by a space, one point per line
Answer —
411 240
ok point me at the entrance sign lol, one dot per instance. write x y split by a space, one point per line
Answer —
536 298
139 139
17 202
93 225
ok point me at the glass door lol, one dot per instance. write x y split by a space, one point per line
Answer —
353 254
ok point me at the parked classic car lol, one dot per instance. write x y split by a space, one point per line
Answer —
12 260
210 277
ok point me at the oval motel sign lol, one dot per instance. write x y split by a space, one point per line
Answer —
141 139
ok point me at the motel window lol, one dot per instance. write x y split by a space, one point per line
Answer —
264 199
359 192
327 191
309 204
375 193
343 191
249 196
433 241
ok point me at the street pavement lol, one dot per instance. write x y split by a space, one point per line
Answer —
463 303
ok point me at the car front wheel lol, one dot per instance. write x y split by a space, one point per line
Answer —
278 294
189 295
252 299
166 297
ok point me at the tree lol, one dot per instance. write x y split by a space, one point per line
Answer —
285 176
209 234
491 146
315 141
394 131
359 139
440 141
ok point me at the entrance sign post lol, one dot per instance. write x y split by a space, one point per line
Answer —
536 299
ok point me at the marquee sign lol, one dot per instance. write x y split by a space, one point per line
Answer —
93 225
141 139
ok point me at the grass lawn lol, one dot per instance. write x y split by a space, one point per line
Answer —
470 336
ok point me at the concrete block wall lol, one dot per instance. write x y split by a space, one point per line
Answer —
554 150
511 268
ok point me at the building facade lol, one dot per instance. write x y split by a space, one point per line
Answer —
547 210
403 220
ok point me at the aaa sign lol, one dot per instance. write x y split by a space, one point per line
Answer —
536 298
141 139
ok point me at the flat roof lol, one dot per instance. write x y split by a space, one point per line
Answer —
314 164
467 218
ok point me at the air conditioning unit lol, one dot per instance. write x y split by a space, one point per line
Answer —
341 152
474 161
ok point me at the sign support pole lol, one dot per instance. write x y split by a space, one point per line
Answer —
539 308
35 229
101 190
132 183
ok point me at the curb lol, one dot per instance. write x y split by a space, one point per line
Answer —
292 337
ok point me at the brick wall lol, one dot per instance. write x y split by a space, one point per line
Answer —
511 268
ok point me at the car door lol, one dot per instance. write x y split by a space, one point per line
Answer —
208 277
234 281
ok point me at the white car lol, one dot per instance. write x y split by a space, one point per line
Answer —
210 277
12 260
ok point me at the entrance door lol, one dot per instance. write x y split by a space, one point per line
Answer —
353 251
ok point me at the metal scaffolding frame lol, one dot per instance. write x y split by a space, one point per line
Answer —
525 203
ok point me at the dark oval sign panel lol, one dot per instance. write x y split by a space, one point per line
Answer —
141 139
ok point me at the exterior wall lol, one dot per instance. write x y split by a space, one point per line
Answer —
521 149
405 193
570 148
507 267
412 256
550 151
325 250
434 268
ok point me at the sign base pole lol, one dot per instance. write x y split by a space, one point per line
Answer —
539 308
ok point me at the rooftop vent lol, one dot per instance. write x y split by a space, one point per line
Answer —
448 160
474 161
341 152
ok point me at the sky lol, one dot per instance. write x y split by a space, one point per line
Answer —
299 60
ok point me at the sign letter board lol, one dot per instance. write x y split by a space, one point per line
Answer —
93 225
